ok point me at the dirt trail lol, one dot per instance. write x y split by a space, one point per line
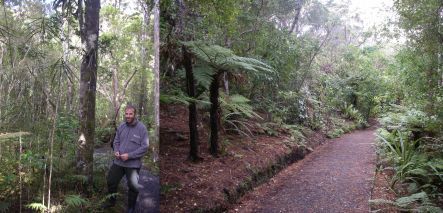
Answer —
336 177
149 196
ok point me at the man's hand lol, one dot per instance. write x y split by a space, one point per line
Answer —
117 155
124 157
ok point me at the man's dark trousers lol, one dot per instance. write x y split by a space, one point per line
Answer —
132 174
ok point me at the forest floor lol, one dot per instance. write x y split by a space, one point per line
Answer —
337 176
149 196
207 185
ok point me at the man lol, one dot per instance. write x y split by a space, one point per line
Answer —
130 144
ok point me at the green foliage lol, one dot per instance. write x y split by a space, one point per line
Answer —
296 133
75 201
235 110
410 163
405 141
335 133
238 105
219 58
37 207
419 202
409 119
352 113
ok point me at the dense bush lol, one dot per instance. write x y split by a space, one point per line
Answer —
409 142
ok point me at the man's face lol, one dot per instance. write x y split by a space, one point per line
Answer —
129 115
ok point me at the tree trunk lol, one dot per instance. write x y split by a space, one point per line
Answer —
190 85
156 71
64 36
88 81
143 93
213 97
298 8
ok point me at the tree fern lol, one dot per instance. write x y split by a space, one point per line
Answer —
220 58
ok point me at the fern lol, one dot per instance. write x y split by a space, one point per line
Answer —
237 104
219 58
407 203
37 207
203 75
75 201
109 196
78 178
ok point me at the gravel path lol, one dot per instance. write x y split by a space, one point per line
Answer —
149 196
336 177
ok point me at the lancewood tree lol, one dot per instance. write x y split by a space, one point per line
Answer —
215 60
89 32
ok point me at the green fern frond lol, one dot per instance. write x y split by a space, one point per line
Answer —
237 104
203 75
406 203
220 58
75 201
109 196
37 207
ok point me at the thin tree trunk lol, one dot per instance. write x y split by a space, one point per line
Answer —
298 8
1 78
20 172
64 35
226 83
213 97
156 70
143 93
87 92
51 151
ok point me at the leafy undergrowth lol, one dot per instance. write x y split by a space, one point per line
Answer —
213 184
410 153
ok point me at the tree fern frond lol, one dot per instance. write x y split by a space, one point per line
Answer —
37 207
203 75
75 200
220 58
237 104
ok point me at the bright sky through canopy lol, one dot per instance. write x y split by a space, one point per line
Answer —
372 12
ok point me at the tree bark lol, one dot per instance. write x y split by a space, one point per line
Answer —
88 81
143 93
214 115
156 70
190 85
298 7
